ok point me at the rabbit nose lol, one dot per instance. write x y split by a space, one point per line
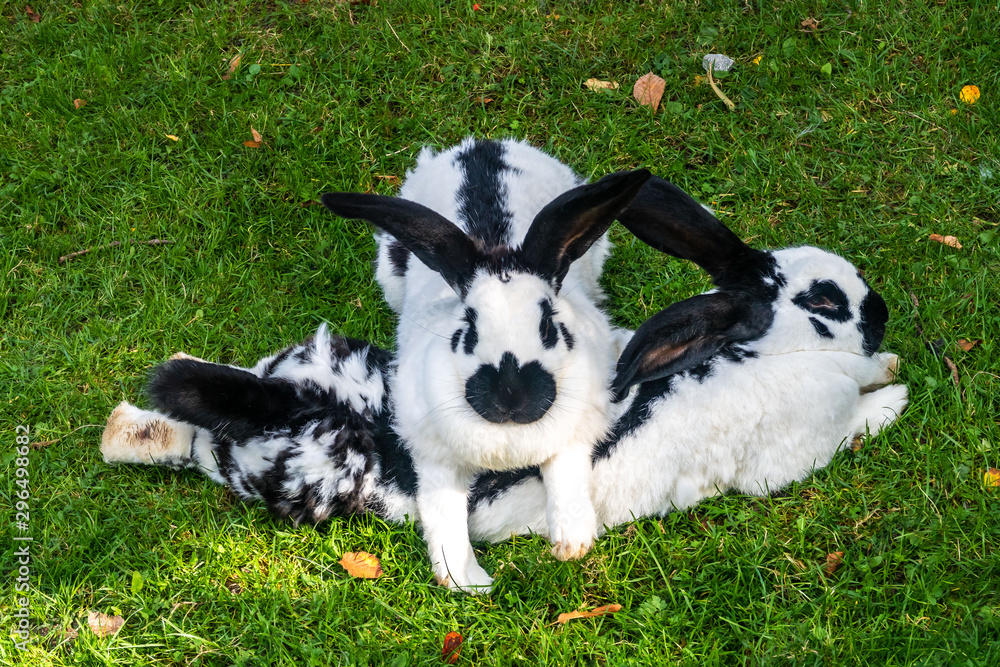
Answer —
511 392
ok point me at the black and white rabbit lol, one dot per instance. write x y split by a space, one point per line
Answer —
504 356
307 430
748 387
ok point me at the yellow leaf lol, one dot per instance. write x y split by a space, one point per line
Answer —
597 84
992 477
649 90
600 611
361 564
104 625
969 94
171 137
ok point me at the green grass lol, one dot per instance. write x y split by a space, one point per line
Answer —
868 161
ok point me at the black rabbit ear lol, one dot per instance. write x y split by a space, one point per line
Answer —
666 218
573 221
687 333
434 239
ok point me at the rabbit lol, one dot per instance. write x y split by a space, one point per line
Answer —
747 387
504 357
304 430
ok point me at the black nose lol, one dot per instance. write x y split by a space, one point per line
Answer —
511 393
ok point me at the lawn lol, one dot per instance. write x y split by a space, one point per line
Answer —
126 123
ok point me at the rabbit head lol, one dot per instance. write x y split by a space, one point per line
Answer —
789 300
503 337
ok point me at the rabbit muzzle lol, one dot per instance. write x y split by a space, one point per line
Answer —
511 392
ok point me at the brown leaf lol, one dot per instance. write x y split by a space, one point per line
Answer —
992 477
950 241
810 24
967 345
361 564
387 177
953 368
452 647
35 18
597 84
79 103
103 625
257 139
648 90
234 64
833 561
600 611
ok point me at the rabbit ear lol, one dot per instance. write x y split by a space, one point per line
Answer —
687 333
434 239
667 218
573 221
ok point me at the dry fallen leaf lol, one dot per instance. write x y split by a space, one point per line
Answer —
967 345
79 103
257 139
452 647
810 24
597 84
969 94
950 241
172 137
35 18
991 477
600 611
648 90
833 561
391 178
361 564
103 625
234 64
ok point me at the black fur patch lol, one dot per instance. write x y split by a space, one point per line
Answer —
482 194
471 334
821 329
567 336
825 299
637 414
399 257
491 485
230 402
547 327
874 316
455 338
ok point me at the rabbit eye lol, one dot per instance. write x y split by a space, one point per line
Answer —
821 304
825 299
547 328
